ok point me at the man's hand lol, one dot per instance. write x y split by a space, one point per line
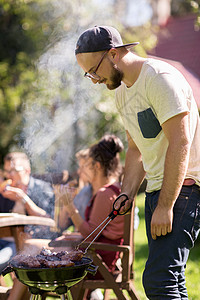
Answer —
4 184
127 205
161 222
13 193
65 194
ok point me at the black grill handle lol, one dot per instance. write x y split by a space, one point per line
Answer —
92 269
7 270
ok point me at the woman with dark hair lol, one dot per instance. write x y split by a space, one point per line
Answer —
103 169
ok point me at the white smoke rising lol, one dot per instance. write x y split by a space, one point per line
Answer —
65 95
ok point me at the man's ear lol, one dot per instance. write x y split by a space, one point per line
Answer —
114 55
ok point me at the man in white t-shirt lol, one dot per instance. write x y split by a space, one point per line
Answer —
163 129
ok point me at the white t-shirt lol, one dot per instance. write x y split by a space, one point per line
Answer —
159 93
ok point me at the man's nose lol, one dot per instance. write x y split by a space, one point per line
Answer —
94 80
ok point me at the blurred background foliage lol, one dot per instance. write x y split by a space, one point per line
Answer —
24 33
183 7
47 108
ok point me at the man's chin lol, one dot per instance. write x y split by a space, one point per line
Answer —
113 86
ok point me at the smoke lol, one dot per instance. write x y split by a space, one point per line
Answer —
63 95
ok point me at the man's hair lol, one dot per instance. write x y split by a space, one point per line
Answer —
21 156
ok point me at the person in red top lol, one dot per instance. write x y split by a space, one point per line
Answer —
103 169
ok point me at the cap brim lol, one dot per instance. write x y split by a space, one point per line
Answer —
128 45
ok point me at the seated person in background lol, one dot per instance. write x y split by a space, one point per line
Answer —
21 193
103 169
80 199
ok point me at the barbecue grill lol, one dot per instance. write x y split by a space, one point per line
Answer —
57 280
60 280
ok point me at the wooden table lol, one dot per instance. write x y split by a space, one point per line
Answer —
12 224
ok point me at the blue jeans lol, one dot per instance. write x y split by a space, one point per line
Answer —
164 274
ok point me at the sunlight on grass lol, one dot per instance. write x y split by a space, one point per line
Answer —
141 249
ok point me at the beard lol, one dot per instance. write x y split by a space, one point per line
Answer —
116 78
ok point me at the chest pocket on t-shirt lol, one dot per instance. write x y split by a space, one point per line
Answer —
149 124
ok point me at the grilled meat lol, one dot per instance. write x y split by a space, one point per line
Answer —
48 259
59 263
74 255
26 261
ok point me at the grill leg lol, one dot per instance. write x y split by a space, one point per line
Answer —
35 297
69 296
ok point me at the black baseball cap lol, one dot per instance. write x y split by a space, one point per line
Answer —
99 38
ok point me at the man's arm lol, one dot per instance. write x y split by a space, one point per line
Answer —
133 172
176 130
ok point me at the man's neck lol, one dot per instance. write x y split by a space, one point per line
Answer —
132 68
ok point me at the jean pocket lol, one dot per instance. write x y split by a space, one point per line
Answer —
187 209
149 124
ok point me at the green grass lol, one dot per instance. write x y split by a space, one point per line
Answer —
141 249
141 252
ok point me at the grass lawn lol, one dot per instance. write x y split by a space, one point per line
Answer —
141 252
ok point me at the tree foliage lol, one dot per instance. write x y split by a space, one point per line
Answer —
182 7
24 33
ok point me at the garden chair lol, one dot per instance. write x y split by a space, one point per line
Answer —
121 282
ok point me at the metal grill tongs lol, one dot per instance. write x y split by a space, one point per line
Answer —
110 217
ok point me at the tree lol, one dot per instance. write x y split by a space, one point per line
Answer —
24 33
